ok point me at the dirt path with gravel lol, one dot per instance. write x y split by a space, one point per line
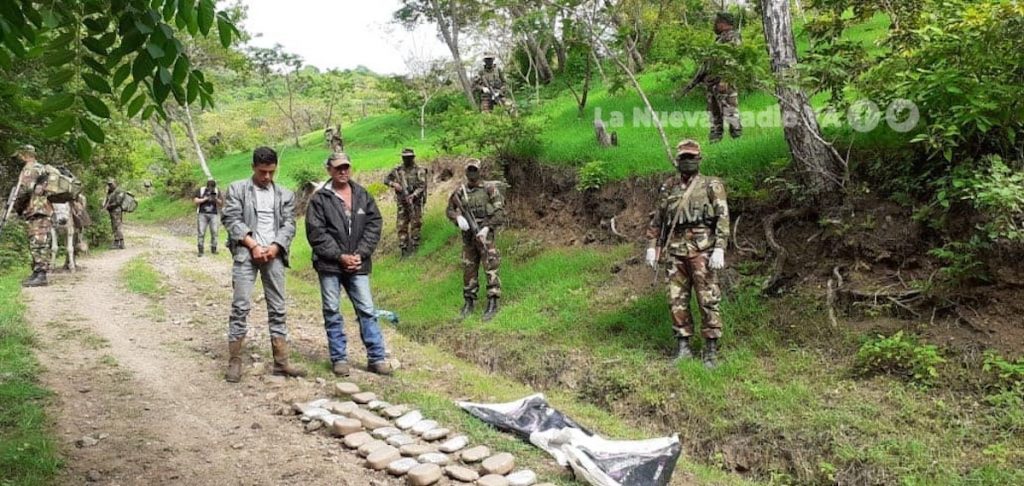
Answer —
140 397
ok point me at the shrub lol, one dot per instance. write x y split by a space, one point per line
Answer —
592 176
13 244
180 180
901 356
1008 376
305 173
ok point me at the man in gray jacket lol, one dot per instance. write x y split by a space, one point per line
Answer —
259 217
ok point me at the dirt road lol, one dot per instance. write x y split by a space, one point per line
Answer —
142 378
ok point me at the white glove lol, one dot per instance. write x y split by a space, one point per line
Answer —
651 258
486 90
717 259
463 224
483 233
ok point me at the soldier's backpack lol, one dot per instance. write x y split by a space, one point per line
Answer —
61 185
128 202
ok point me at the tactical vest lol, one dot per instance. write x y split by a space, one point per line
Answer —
477 200
694 219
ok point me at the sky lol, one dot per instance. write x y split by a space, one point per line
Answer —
341 33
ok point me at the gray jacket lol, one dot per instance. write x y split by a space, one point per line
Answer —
239 218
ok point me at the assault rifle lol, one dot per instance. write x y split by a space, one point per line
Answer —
9 207
474 226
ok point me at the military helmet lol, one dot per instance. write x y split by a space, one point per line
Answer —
725 17
473 163
688 147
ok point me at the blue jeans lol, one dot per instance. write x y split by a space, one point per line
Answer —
358 289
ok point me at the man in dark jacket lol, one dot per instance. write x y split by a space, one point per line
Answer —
343 226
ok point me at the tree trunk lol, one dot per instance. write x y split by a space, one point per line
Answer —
191 130
165 139
540 58
822 171
635 58
450 36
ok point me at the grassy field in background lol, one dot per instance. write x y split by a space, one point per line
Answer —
28 450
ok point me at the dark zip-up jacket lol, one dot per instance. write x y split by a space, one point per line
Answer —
331 234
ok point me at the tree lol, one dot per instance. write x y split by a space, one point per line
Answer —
330 87
452 18
93 47
427 77
822 170
273 65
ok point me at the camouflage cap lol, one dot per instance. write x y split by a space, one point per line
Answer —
725 17
24 149
111 180
688 146
489 55
473 163
408 152
338 159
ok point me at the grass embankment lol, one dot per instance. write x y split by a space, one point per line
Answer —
28 449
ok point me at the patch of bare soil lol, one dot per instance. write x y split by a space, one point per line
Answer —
143 380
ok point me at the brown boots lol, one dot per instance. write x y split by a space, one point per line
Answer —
281 366
234 373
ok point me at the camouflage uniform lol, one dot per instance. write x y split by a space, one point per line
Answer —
723 100
701 216
37 213
410 215
115 198
492 79
486 204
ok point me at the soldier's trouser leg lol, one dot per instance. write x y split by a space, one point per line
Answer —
491 261
115 225
402 226
679 285
714 114
729 106
470 267
705 285
415 224
39 242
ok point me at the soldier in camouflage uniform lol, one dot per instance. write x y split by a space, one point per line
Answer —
691 224
410 184
37 211
723 101
478 209
113 202
490 84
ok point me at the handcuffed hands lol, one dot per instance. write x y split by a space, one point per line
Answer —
717 261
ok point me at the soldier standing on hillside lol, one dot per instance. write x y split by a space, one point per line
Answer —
723 101
113 204
478 209
36 210
691 224
410 184
490 83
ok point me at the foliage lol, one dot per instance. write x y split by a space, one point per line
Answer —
592 176
13 245
181 180
307 173
488 134
961 262
900 356
1008 375
89 49
997 192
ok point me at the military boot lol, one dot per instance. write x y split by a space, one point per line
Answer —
281 366
234 373
711 353
682 349
467 308
492 308
37 279
200 249
213 250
